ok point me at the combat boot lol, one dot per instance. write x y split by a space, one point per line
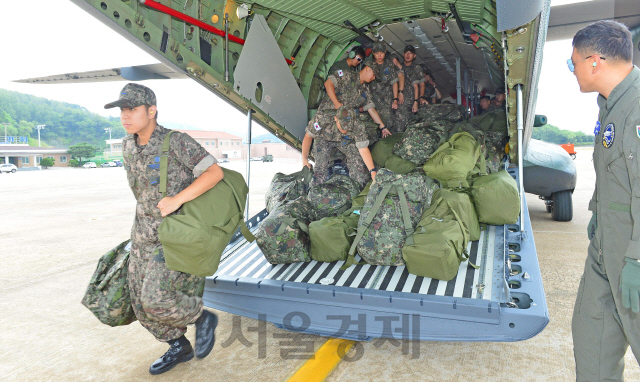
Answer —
205 333
180 351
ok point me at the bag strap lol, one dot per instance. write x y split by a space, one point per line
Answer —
464 256
243 226
112 271
406 216
291 222
164 162
365 225
305 175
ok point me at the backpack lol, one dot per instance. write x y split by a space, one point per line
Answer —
496 198
454 160
332 197
495 142
283 236
284 188
441 237
419 143
392 209
107 295
193 239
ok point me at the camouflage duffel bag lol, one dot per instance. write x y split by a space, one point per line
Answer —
454 160
419 143
283 236
284 188
107 295
441 238
392 209
440 112
383 149
399 165
331 237
495 142
332 197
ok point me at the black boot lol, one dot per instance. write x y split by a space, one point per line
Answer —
180 351
205 333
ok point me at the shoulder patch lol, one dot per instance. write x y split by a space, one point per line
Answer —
317 126
609 135
340 73
596 131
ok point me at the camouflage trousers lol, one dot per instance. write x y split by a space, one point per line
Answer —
164 301
322 152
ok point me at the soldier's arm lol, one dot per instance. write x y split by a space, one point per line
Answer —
416 91
329 85
306 147
400 87
632 153
209 178
423 100
368 160
394 104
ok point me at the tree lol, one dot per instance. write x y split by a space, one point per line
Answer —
46 162
82 150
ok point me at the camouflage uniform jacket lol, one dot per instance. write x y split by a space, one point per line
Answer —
187 159
323 126
382 87
342 65
412 76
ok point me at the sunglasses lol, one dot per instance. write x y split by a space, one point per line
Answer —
572 66
358 58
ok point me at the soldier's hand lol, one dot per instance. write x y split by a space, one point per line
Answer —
373 175
400 98
591 228
423 102
394 105
168 205
630 284
307 164
337 105
414 108
385 132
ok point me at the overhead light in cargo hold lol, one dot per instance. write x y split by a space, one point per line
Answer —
242 11
417 31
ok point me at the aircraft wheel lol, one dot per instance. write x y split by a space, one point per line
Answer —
549 207
562 208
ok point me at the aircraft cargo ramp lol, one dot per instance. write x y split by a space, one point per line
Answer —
502 300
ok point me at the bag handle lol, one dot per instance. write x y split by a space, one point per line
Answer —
465 235
406 216
243 226
365 225
290 222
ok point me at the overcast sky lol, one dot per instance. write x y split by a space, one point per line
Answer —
46 37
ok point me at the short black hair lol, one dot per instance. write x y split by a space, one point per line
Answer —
485 97
608 38
359 51
426 70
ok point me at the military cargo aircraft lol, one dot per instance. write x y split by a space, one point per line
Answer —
269 59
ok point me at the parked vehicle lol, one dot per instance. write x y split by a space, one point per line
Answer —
256 159
106 164
89 165
267 158
118 163
8 168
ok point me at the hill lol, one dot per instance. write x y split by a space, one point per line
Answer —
553 134
66 124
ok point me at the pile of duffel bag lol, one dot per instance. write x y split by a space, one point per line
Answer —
432 193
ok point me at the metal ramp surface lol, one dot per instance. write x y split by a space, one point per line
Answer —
365 301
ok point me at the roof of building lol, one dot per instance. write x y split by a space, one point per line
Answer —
209 134
14 150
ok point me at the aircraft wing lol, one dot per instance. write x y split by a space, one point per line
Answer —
130 73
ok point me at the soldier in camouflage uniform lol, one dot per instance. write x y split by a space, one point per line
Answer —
348 90
430 93
164 301
384 89
349 64
413 82
498 102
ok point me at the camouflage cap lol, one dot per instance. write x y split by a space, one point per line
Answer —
133 95
346 116
500 90
379 47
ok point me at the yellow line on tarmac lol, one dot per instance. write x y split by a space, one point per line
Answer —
318 368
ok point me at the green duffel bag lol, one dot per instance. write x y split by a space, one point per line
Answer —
193 239
454 160
331 237
439 243
462 204
107 295
383 149
284 188
496 198
399 165
283 236
333 197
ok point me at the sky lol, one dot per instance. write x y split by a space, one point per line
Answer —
47 37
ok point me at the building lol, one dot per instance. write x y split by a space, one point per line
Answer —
219 144
16 150
114 149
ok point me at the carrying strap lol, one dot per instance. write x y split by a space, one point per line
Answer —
292 222
122 262
164 166
406 217
464 256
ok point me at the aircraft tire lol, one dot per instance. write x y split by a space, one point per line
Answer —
549 207
562 209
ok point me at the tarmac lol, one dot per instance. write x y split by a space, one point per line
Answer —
58 222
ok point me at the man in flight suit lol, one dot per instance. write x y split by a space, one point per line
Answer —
605 317
164 301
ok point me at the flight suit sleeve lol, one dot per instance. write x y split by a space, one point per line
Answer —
632 153
191 154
